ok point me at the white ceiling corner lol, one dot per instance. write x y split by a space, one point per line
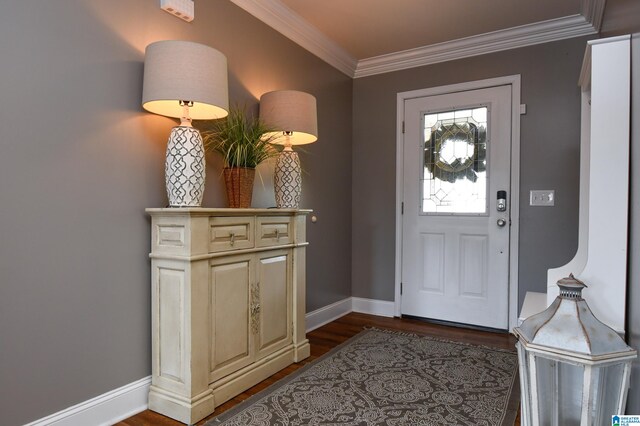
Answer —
280 17
293 26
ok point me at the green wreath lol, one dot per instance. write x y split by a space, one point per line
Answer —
466 168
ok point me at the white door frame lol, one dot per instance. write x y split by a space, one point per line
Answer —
514 81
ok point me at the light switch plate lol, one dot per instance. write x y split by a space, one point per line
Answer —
542 197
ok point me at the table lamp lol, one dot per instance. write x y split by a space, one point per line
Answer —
293 115
185 80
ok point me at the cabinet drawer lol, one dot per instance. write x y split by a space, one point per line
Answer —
230 233
274 230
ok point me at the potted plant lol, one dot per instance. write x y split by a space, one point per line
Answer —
240 139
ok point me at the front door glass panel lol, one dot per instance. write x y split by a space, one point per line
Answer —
454 179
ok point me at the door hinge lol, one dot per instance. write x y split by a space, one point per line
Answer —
400 288
402 208
403 127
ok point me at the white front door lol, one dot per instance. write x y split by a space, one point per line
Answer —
455 231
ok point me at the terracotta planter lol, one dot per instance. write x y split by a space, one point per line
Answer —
239 183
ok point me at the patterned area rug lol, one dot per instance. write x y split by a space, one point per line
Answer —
382 377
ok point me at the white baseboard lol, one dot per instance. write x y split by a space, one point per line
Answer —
103 410
124 402
328 313
382 308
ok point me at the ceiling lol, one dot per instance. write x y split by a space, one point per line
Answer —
367 28
366 37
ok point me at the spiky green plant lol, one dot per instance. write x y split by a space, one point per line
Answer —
239 138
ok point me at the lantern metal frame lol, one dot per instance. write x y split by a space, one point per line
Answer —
568 333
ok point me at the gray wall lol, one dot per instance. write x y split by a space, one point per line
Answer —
550 143
79 163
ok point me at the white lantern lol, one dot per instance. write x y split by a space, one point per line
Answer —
574 370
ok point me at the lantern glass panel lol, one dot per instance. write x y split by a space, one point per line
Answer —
559 392
607 382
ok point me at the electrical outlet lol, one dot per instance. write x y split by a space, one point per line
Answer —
542 197
183 9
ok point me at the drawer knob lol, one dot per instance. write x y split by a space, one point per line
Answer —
232 235
277 234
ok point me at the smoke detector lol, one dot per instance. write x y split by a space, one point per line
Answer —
183 9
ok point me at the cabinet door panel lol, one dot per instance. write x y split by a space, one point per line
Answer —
231 337
274 283
169 296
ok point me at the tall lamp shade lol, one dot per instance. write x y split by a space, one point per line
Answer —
185 80
293 115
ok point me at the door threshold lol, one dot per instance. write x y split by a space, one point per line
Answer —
456 324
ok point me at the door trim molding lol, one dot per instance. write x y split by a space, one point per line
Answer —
514 82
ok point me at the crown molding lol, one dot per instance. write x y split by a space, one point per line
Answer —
593 12
279 17
496 41
284 20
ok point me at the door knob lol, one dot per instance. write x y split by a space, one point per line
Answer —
501 222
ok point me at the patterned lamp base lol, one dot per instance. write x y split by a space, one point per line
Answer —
185 167
288 180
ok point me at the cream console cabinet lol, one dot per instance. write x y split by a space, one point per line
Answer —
228 303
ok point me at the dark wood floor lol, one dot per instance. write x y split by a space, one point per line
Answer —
328 336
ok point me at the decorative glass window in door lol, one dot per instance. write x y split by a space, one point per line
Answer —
455 162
